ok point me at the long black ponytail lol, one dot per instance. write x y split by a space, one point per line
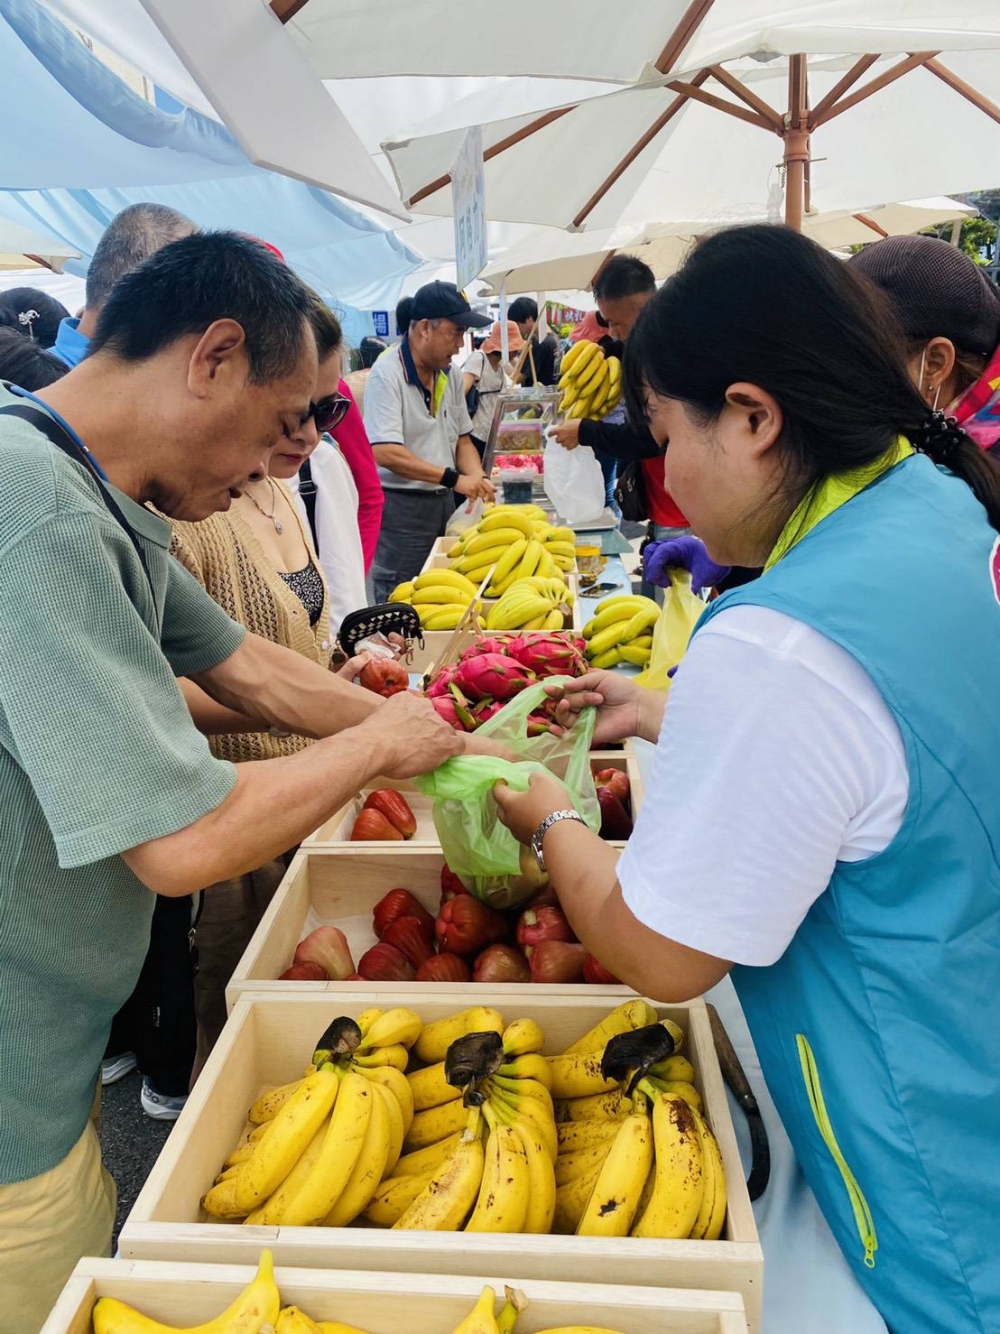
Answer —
766 305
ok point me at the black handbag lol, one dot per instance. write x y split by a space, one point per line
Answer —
386 618
630 492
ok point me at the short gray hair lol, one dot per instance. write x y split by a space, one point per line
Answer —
130 237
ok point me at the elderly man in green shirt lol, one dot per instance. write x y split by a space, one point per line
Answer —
203 358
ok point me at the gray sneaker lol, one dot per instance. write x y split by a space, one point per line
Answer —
158 1105
114 1068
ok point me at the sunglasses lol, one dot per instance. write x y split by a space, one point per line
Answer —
328 413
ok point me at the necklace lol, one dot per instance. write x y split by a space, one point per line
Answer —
278 525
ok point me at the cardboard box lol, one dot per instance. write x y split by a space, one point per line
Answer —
192 1294
268 1040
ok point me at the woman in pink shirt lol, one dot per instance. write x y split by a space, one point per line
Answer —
352 438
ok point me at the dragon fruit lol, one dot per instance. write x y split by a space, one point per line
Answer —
488 645
439 686
485 710
447 708
492 675
538 724
548 655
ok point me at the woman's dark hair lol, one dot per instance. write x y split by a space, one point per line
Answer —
371 349
766 305
325 326
31 312
24 363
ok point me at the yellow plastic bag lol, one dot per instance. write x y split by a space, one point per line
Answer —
682 610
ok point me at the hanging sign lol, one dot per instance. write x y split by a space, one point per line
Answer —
468 195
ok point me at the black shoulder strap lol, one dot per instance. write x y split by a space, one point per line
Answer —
61 438
307 490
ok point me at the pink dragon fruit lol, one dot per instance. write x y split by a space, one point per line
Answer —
491 675
439 686
549 655
447 708
485 710
489 645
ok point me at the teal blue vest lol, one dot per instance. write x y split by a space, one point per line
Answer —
892 982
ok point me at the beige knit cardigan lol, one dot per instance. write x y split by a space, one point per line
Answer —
224 555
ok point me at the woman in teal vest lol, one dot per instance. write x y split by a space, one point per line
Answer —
823 816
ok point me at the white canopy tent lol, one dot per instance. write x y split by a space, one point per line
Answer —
548 258
23 248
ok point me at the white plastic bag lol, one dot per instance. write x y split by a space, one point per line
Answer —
574 483
466 516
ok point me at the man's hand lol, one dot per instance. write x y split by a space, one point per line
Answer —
476 488
410 736
523 812
613 694
566 434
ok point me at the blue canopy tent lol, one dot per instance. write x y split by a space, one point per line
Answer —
80 145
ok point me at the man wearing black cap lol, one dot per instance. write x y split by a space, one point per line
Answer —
419 426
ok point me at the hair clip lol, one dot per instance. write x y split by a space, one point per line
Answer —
940 436
28 317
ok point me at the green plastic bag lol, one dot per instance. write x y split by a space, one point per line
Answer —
485 856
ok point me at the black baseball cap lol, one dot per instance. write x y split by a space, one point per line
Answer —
935 290
443 301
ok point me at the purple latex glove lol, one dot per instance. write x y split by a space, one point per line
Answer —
686 553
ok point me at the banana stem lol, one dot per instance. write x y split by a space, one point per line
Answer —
512 1308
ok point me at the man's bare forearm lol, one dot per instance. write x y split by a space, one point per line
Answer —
467 459
274 805
265 681
212 718
404 463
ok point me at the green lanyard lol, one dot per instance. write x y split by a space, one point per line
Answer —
831 493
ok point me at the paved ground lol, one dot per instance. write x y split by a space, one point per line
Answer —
130 1141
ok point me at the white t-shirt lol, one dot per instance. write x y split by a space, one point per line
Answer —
338 537
777 759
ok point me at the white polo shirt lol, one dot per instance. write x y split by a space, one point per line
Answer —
398 411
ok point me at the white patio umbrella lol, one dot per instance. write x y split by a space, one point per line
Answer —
549 258
21 248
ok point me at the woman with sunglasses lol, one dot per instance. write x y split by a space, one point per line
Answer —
258 562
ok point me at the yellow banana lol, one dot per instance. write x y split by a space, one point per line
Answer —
444 578
419 1162
554 621
565 535
612 1205
625 1018
341 1147
522 1088
275 1154
547 566
712 1211
338 1327
396 1055
432 595
398 1025
614 372
393 1197
435 1123
620 608
293 1320
444 618
366 1018
541 1178
607 638
642 620
220 1201
244 1149
395 1081
430 1088
571 1166
493 538
577 355
502 1203
683 1090
369 1167
397 1134
257 1305
507 563
270 1102
511 1110
571 1200
480 1319
436 1037
500 518
598 1106
588 380
576 1135
272 1212
522 1037
638 657
674 1067
530 1065
482 560
529 560
579 1074
445 1201
560 548
679 1186
402 592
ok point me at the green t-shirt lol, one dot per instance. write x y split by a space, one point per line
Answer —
97 755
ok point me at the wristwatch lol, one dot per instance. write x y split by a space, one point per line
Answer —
539 834
449 478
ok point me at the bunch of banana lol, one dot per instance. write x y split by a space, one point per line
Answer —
533 603
621 631
316 1149
590 382
513 541
254 1311
439 597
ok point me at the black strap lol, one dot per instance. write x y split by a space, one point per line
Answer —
308 492
61 438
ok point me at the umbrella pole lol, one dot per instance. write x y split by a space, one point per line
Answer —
796 140
504 341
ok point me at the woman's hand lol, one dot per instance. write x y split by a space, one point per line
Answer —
352 668
615 696
523 812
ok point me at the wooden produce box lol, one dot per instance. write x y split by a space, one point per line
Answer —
340 887
337 830
268 1040
193 1294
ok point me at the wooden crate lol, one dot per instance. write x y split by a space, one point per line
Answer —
268 1040
337 830
192 1294
340 887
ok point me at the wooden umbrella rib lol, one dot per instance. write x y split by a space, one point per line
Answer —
964 89
697 94
856 72
691 21
287 9
623 165
913 61
864 219
501 146
739 90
